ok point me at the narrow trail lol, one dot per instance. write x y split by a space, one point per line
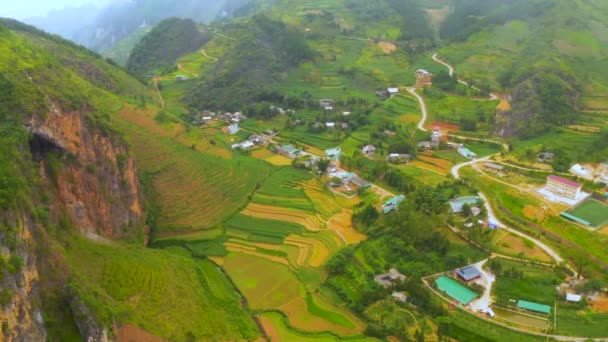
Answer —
162 101
224 36
180 66
423 109
206 55
451 72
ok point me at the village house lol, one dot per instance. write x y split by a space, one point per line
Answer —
491 167
345 113
391 278
545 157
392 204
435 138
368 150
424 145
181 78
330 124
573 298
563 187
333 153
399 296
465 152
382 93
327 104
343 125
234 128
360 182
392 91
468 273
423 77
245 145
398 158
456 204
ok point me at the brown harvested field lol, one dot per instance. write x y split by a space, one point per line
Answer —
341 223
218 260
262 153
430 167
309 220
133 333
387 47
513 244
269 329
279 160
444 126
601 304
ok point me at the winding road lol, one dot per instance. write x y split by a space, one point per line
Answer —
456 170
451 72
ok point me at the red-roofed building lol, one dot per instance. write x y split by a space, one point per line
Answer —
563 187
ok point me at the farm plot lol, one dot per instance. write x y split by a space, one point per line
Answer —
515 245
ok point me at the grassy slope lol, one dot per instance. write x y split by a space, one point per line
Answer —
165 294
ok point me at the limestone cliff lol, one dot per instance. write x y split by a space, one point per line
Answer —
97 182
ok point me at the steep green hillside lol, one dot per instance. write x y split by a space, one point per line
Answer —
121 51
68 98
250 70
548 55
166 42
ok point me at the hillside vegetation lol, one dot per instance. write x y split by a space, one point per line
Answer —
164 44
546 54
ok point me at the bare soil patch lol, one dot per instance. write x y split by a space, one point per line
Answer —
341 223
133 333
269 329
516 244
387 47
533 212
601 304
444 126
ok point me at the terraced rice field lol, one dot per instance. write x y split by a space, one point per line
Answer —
194 190
310 220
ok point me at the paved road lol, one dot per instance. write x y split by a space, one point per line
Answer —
451 72
425 115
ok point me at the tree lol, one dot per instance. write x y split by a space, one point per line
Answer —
323 165
466 210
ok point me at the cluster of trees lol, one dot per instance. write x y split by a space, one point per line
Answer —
162 46
249 71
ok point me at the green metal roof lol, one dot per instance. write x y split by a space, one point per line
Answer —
453 289
523 304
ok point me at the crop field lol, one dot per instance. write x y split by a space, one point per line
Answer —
396 107
592 211
511 244
278 328
422 175
195 190
146 287
262 230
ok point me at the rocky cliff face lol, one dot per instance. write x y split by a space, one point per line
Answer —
97 181
90 178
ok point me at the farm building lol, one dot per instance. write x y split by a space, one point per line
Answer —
398 158
360 182
330 124
327 104
468 273
457 203
243 145
531 306
545 157
393 276
563 187
392 204
382 93
181 78
424 145
423 77
368 150
393 91
491 167
400 296
455 290
573 298
465 152
234 128
333 153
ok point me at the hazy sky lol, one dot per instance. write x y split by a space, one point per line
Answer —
20 9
